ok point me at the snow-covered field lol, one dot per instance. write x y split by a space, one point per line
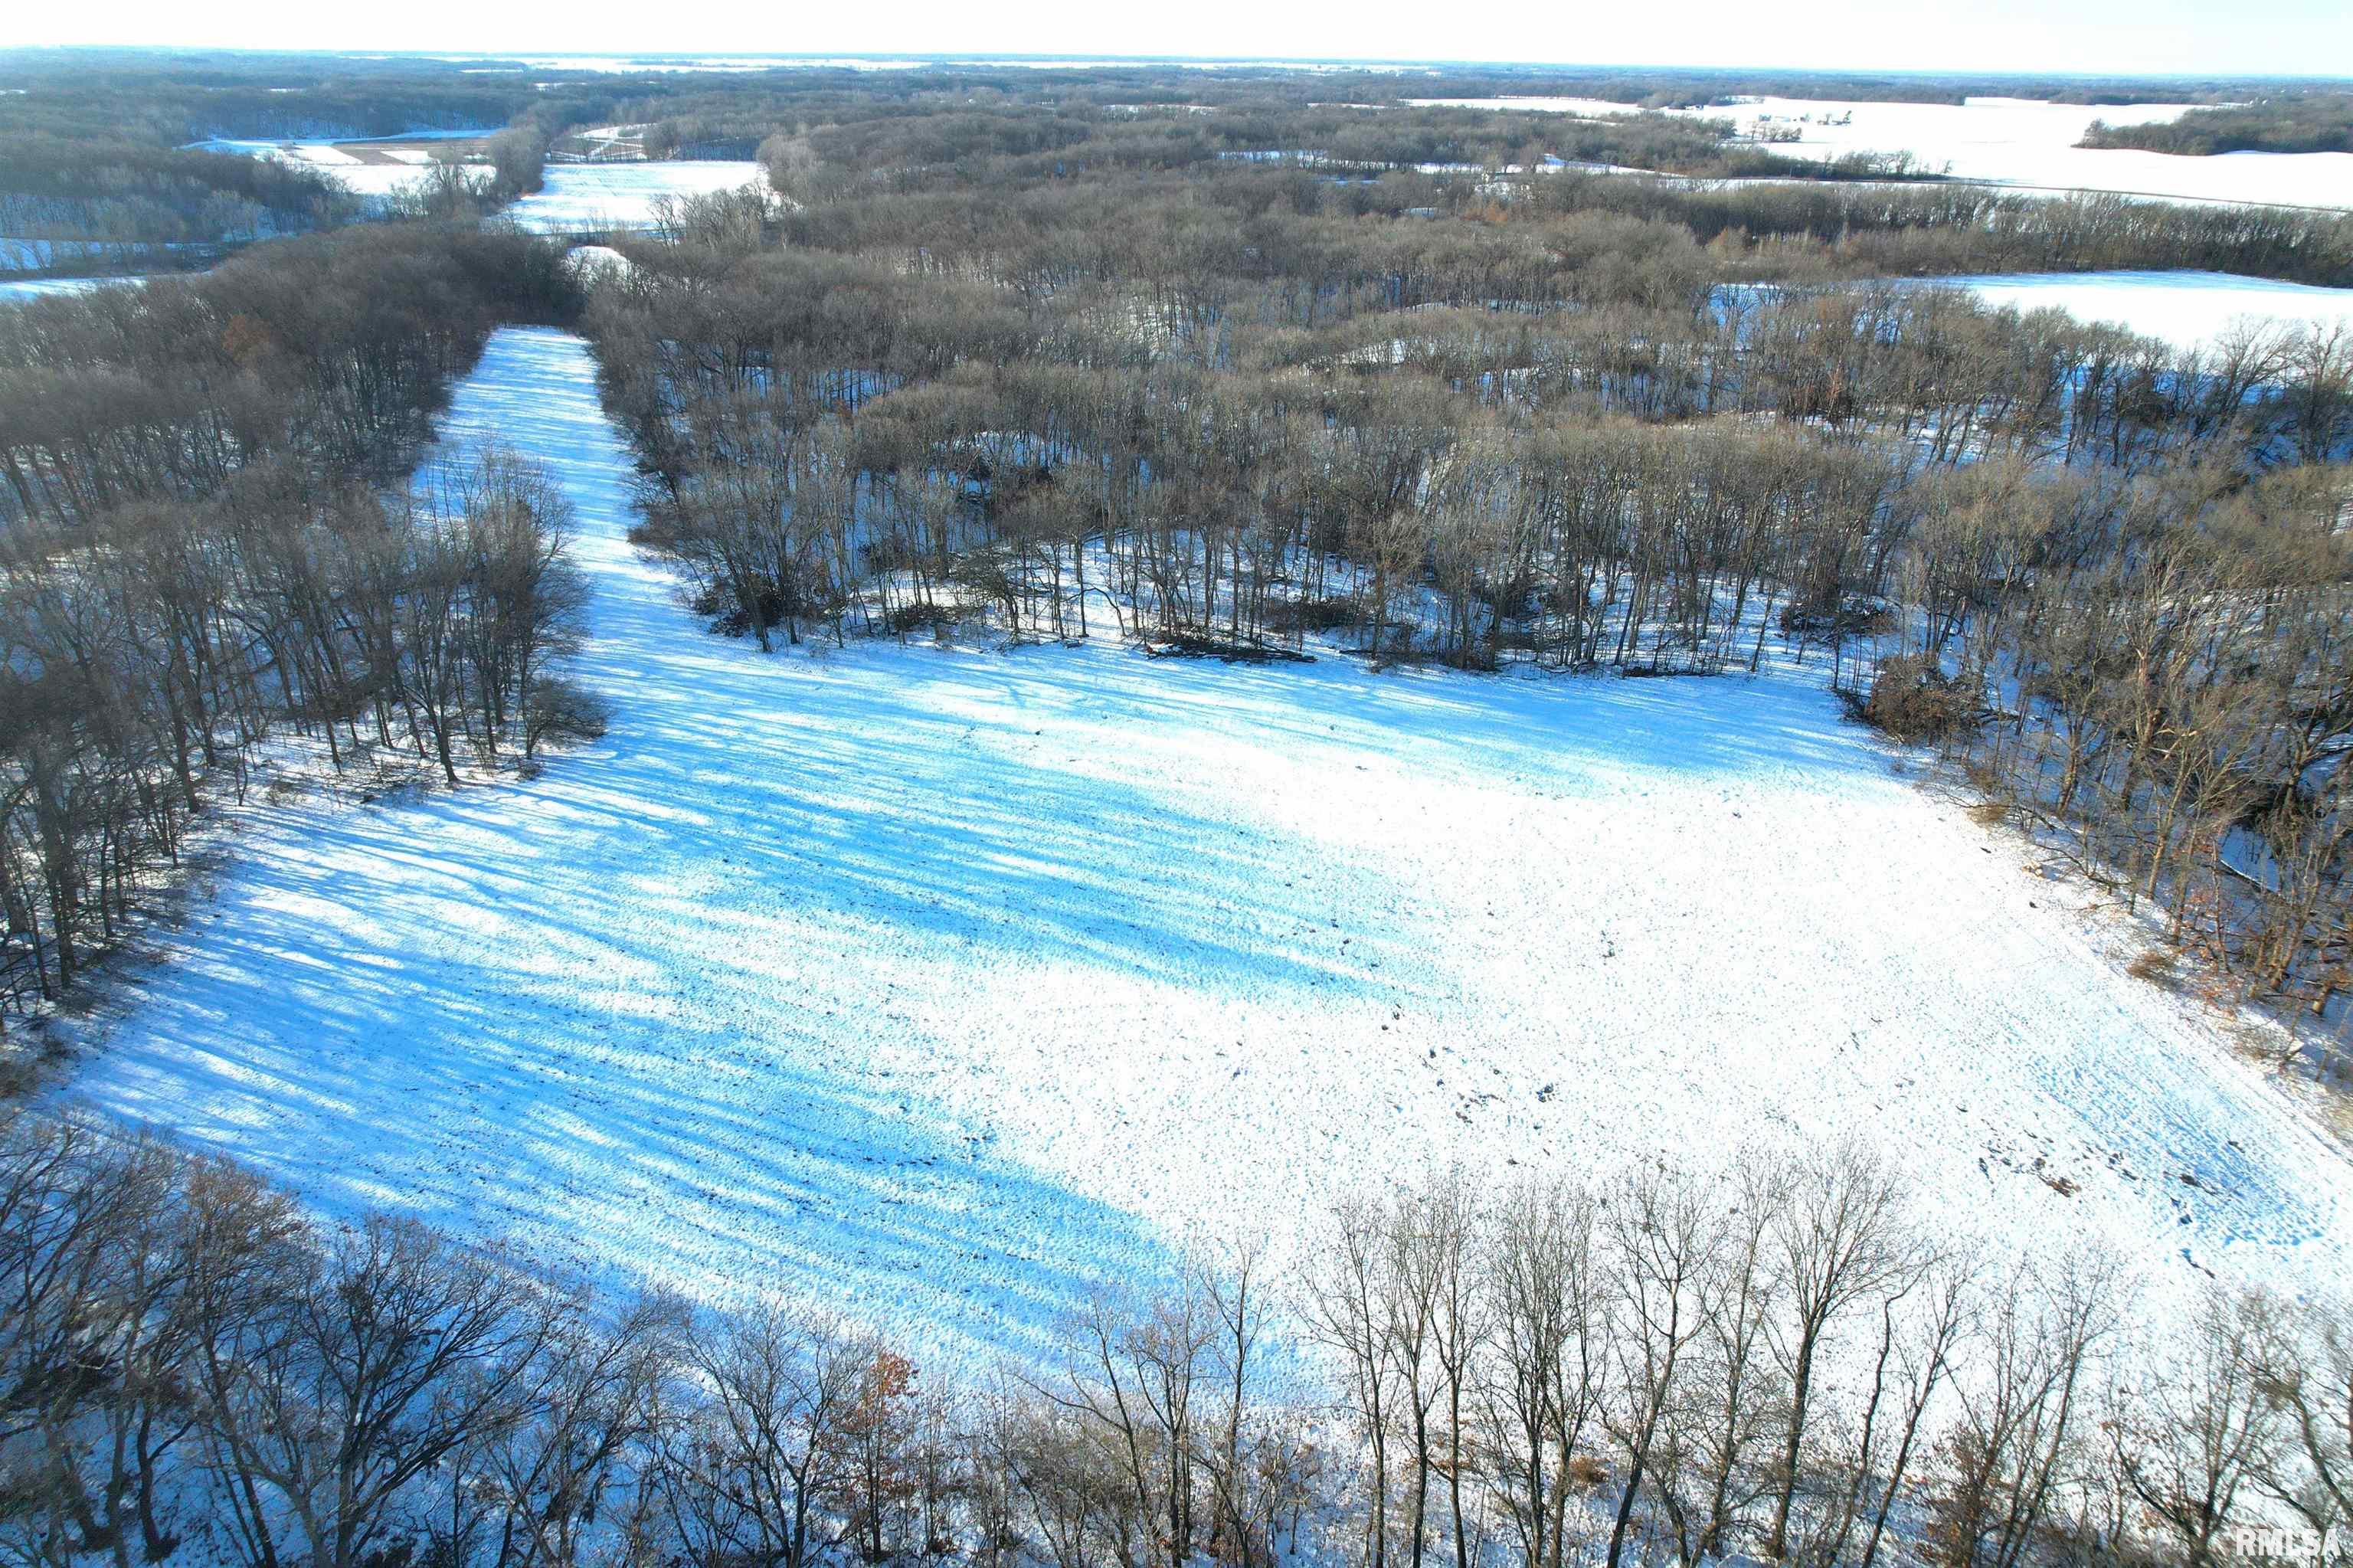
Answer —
1584 107
955 983
621 195
367 178
575 196
2016 141
36 288
2185 308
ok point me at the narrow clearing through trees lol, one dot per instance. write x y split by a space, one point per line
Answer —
951 984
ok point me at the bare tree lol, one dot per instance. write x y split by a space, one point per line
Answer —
1738 1395
1836 1244
2022 1409
537 1487
401 1348
1346 1312
1544 1289
1664 1237
2201 1425
2307 1368
744 1472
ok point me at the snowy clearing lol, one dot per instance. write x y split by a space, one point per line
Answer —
582 196
953 984
2187 308
362 176
575 197
2015 141
1583 108
593 262
36 288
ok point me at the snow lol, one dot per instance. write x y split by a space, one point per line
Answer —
37 288
2187 308
406 165
251 146
2023 142
26 255
593 262
621 195
1583 108
367 179
576 195
953 984
379 179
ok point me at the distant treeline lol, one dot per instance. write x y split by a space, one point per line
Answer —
83 125
2301 122
970 121
95 173
119 204
1799 231
1673 87
1336 140
166 100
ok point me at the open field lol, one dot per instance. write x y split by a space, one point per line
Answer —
952 983
2015 141
374 167
575 196
36 288
2185 309
621 195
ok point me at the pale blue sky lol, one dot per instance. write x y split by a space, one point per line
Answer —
2204 37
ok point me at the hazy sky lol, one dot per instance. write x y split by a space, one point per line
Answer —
2206 37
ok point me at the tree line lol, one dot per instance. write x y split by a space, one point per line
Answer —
2310 122
1657 1369
1240 417
169 97
209 539
89 206
2151 675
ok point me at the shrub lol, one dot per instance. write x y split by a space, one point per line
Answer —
1913 701
562 711
1314 614
920 616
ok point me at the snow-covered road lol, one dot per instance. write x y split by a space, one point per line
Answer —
957 983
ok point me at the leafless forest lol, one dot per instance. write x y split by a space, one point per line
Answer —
1650 1369
1239 372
